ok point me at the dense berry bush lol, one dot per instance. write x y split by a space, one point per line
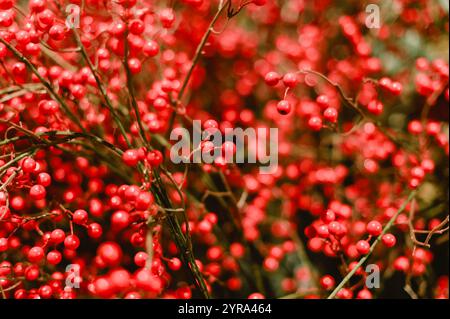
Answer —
91 204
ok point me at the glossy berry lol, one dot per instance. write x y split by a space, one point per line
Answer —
72 242
37 192
80 217
272 78
363 247
130 157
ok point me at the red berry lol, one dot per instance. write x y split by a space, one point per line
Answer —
151 48
290 80
28 165
363 247
72 242
3 244
375 107
110 253
315 123
327 282
80 217
44 179
134 65
54 257
57 236
155 158
259 3
272 78
167 17
256 295
38 192
130 157
95 230
374 228
331 114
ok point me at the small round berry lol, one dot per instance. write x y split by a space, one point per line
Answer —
336 228
140 258
72 242
57 236
344 293
272 78
44 179
256 295
322 231
155 158
28 165
284 107
315 123
57 32
363 247
136 27
375 107
401 264
415 127
385 83
327 282
364 294
167 17
323 101
396 88
54 257
389 240
95 230
330 114
135 65
35 254
130 157
38 192
374 228
80 217
290 80
328 216
120 219
210 124
151 48
175 264
259 3
110 253
45 292
3 244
